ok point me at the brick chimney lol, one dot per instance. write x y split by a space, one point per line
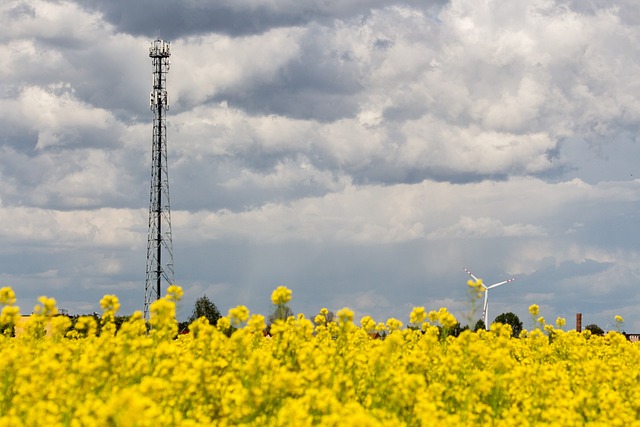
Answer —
579 322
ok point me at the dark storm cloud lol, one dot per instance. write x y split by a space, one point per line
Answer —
173 19
318 85
108 77
304 103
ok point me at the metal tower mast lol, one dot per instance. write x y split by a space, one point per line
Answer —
159 242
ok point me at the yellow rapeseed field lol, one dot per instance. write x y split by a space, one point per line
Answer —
307 373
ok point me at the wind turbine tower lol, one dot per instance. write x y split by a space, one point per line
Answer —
159 244
485 307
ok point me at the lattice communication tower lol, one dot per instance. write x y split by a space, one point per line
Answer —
159 244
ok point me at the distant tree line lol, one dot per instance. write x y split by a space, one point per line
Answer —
206 308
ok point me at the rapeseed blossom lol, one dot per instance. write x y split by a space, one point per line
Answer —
368 324
224 323
417 316
256 324
476 287
333 373
7 296
238 315
446 319
619 322
281 295
345 315
48 307
174 293
393 324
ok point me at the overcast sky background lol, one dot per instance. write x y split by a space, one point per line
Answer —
359 152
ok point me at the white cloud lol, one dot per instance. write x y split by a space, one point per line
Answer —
438 146
486 227
56 114
47 20
286 174
205 65
99 228
408 212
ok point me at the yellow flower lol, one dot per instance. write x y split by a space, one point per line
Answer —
7 296
256 323
49 306
238 315
175 293
534 309
368 324
560 322
110 303
223 323
476 287
619 321
281 295
319 319
345 315
418 315
87 325
446 319
162 319
9 315
393 324
59 325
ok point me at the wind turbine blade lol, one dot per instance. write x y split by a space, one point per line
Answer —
471 274
500 283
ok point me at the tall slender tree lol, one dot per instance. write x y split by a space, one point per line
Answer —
204 307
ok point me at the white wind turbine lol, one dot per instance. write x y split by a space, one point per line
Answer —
485 308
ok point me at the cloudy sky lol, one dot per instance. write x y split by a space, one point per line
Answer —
359 152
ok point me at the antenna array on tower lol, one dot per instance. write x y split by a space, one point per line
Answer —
159 244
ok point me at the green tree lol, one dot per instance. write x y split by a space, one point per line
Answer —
510 319
595 329
204 307
479 325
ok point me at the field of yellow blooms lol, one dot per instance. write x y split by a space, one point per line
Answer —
308 372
